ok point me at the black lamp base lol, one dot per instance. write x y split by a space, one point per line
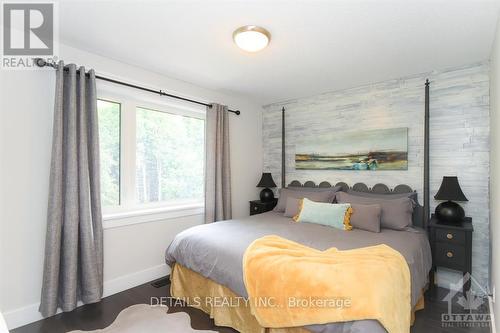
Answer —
266 195
450 212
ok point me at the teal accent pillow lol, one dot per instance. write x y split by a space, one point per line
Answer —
332 215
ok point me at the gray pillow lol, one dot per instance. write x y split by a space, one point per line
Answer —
318 196
411 195
396 213
292 207
366 217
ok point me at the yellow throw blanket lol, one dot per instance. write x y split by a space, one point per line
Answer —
290 285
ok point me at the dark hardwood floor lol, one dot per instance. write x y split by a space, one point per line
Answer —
100 315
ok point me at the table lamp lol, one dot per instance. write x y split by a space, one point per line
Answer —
266 181
449 212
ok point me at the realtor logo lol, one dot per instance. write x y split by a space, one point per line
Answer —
471 314
28 31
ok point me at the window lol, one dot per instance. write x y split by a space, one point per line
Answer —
152 156
169 157
109 136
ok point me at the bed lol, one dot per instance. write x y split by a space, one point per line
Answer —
207 261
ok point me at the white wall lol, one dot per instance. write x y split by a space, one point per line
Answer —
495 173
133 254
459 139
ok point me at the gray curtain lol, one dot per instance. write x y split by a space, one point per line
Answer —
74 241
217 170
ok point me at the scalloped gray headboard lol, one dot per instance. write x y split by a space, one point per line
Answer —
418 214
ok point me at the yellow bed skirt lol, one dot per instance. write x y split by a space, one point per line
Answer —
224 306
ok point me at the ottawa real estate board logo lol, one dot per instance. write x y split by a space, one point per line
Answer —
466 310
29 31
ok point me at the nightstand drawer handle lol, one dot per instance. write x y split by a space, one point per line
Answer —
449 236
449 254
255 208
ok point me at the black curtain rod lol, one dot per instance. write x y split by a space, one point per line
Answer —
42 63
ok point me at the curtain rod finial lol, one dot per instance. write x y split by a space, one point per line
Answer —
40 62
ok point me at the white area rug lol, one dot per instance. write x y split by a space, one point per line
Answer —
143 318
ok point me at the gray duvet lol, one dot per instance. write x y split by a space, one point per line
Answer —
216 252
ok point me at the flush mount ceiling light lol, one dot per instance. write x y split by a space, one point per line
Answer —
251 38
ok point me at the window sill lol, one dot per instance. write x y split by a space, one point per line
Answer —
122 219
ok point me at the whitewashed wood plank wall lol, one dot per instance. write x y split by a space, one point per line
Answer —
459 138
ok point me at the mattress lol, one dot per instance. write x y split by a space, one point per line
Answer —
215 251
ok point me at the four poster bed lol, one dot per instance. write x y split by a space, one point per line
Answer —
208 261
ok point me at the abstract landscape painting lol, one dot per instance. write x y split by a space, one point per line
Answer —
381 149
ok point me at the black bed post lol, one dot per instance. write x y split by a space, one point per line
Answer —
283 154
426 157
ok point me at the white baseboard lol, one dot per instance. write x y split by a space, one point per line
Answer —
22 316
29 314
132 280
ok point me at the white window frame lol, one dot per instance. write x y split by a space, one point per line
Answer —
129 211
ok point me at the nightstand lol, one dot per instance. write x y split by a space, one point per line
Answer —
451 247
258 207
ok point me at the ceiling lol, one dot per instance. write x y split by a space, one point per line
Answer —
316 46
